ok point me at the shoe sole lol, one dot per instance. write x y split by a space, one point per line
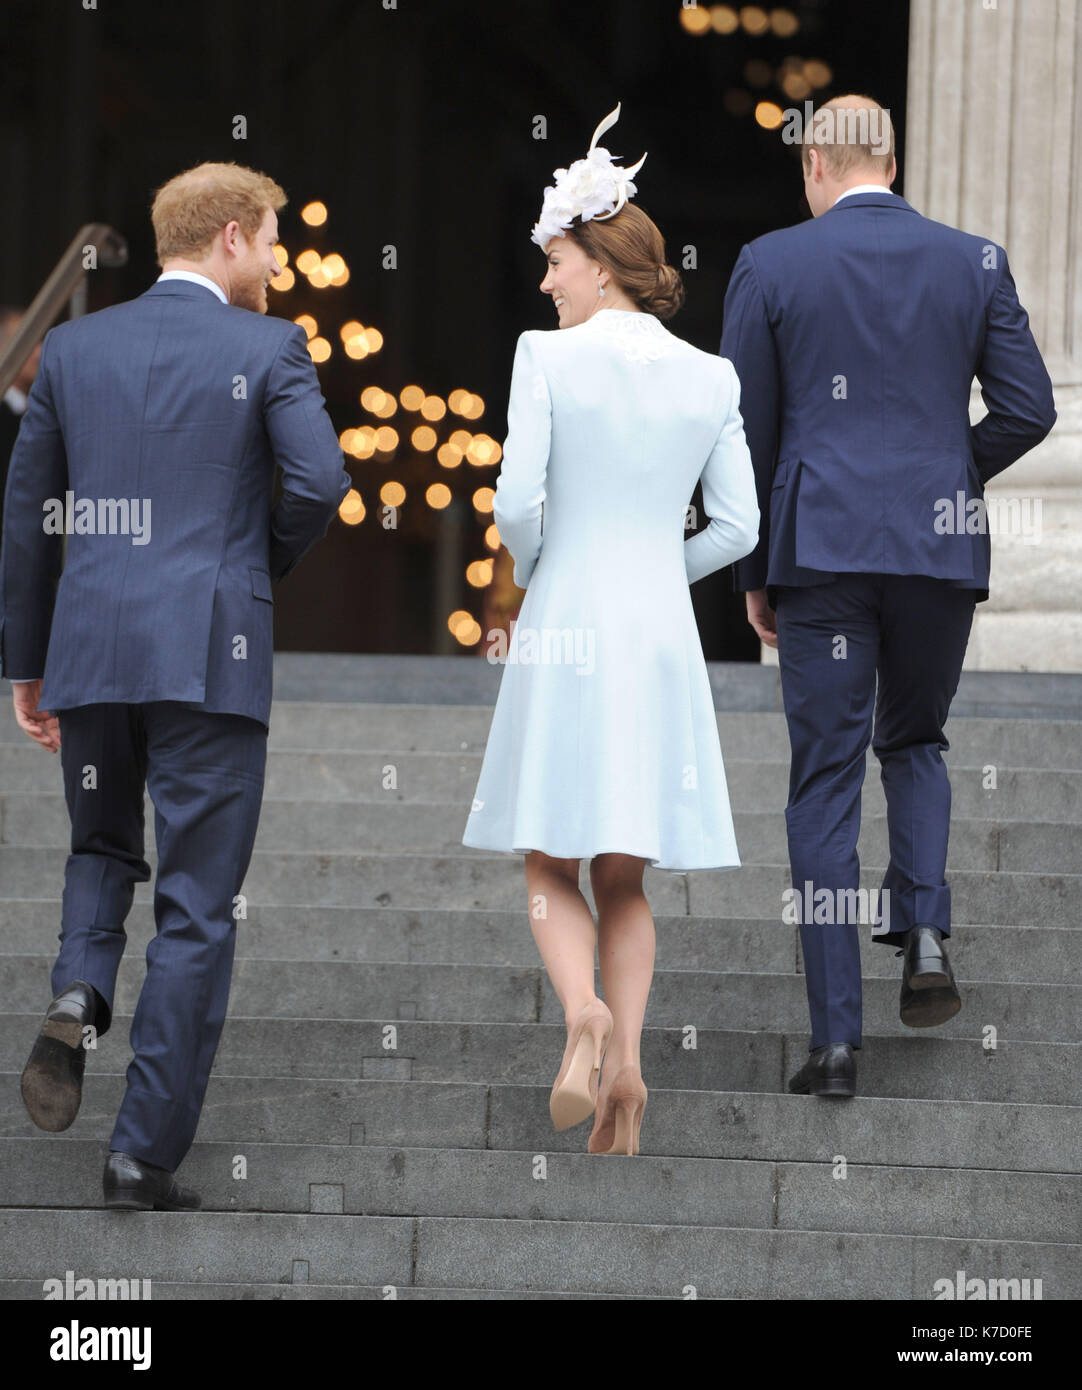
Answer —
934 999
930 979
51 1092
931 1005
137 1204
838 1087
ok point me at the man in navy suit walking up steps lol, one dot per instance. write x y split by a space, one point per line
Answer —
144 653
856 337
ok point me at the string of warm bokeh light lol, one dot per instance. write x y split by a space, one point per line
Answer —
381 442
725 19
797 78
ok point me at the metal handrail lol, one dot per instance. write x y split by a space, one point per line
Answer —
67 279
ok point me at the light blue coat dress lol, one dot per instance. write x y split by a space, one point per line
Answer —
604 736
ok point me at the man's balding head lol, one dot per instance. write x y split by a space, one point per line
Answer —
853 134
849 141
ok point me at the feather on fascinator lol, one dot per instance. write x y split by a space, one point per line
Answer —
594 188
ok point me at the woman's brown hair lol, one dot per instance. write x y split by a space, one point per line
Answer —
632 249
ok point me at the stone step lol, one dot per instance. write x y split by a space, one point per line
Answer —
368 1180
921 1067
324 827
751 1002
736 685
295 725
29 926
1019 794
164 1291
678 1123
440 728
496 883
594 1257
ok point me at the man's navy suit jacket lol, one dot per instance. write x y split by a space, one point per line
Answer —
856 337
176 400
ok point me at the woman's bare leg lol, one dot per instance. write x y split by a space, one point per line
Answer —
563 928
626 945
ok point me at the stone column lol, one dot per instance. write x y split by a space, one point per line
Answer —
993 145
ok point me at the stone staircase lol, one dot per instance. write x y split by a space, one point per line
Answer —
377 1122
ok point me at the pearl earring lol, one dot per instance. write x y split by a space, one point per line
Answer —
601 289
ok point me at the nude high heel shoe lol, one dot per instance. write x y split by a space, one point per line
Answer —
616 1128
574 1093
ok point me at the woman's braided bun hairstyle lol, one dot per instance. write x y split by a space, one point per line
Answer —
632 249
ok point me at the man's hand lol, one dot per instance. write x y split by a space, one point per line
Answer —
43 727
762 617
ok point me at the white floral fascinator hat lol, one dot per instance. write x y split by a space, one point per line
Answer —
593 188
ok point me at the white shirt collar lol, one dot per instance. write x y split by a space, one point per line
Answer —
195 279
862 188
17 399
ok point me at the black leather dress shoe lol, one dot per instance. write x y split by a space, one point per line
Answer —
830 1070
929 994
132 1184
52 1083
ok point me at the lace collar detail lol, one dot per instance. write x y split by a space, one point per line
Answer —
641 336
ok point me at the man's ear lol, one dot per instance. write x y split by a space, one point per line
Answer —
893 170
231 237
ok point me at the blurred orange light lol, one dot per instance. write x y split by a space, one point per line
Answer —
695 19
351 508
724 19
479 573
784 23
754 20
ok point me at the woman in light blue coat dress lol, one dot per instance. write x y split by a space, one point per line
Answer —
604 743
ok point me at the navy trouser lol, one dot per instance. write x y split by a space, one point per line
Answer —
910 632
204 773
